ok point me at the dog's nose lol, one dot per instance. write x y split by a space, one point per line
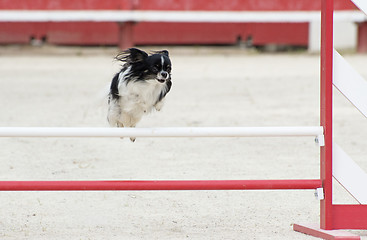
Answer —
164 74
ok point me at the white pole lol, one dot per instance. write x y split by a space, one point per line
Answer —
161 132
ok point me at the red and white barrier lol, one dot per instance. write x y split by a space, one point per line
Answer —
44 132
332 216
334 161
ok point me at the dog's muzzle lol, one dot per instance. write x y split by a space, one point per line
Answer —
162 76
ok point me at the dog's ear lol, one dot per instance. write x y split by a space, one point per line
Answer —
163 52
132 55
137 55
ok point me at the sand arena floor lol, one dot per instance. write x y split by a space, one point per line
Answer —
61 87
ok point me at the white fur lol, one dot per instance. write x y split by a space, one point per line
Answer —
122 76
136 99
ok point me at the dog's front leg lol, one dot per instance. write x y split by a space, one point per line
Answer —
158 106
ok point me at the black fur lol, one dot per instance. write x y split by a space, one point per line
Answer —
168 88
144 66
146 80
114 91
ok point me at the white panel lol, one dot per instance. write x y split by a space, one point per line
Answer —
314 33
349 175
361 4
350 83
345 35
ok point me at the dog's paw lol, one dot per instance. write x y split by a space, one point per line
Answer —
159 106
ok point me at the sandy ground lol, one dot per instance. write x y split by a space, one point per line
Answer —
211 87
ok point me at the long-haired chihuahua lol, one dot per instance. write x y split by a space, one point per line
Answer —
139 87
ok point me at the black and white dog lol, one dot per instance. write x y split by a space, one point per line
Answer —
140 86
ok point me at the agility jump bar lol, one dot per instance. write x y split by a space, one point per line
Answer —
160 185
161 132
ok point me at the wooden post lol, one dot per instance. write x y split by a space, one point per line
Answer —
126 35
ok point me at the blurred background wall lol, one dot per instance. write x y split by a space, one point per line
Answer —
249 34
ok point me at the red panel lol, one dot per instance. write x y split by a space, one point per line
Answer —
350 216
83 33
186 33
157 33
66 4
279 33
221 33
21 32
251 5
168 33
78 33
270 5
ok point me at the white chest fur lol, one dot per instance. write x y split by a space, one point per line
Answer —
139 96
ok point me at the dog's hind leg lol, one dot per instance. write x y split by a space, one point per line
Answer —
130 121
120 125
133 125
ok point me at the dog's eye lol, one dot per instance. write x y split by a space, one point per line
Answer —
155 68
168 68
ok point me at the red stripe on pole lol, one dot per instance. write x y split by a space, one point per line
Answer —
158 185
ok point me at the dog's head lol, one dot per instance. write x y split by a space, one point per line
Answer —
156 66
